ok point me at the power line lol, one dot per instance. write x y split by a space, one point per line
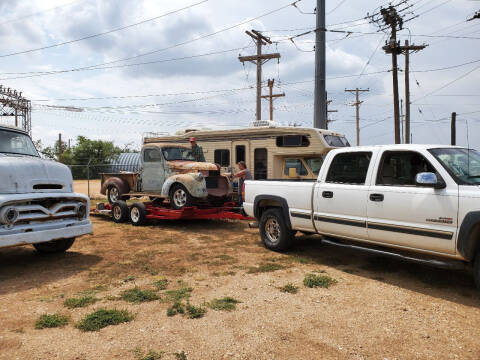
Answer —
336 7
103 33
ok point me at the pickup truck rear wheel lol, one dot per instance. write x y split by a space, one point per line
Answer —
55 246
138 214
476 270
114 194
275 234
180 197
120 211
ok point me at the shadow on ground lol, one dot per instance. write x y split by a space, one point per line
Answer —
22 268
450 283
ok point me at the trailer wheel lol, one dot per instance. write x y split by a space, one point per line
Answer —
138 214
120 211
274 232
55 246
180 197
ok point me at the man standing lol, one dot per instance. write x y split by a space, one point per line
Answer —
197 151
242 175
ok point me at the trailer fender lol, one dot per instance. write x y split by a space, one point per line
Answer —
193 182
121 184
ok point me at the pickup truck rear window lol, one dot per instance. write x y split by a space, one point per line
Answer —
349 168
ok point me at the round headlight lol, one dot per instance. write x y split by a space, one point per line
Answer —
199 176
9 216
81 211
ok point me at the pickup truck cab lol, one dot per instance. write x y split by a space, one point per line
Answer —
37 202
168 171
419 198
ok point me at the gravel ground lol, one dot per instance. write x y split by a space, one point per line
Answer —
380 307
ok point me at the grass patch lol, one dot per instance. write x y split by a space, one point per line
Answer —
137 295
103 318
178 294
324 281
289 288
51 321
226 304
73 303
129 278
180 356
265 267
195 312
161 284
151 355
176 308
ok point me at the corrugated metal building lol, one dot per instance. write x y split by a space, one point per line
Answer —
126 162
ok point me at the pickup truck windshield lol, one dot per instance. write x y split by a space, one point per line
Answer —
12 142
462 164
177 153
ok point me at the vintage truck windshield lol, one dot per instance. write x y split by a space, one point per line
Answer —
12 142
177 153
462 164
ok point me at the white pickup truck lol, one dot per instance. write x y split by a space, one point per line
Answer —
419 198
37 202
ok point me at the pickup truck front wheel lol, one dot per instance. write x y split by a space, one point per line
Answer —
180 197
275 234
56 246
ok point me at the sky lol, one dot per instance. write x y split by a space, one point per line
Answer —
162 66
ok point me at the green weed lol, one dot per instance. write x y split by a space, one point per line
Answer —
265 267
226 304
103 318
137 295
51 321
289 288
83 301
324 281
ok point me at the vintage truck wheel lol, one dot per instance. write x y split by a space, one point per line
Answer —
138 214
180 197
274 232
120 211
114 194
55 246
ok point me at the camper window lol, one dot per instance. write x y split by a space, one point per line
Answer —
336 141
296 164
240 153
222 157
292 141
314 164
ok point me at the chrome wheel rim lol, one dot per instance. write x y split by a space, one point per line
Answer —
114 195
117 212
272 230
135 214
180 197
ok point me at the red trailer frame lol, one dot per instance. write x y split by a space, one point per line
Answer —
164 212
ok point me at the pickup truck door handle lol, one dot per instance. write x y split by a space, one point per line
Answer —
327 194
376 197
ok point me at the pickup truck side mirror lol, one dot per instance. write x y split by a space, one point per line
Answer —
292 172
428 179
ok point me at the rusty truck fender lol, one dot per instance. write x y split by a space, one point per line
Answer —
120 183
193 182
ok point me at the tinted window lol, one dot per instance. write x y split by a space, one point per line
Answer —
240 153
260 164
349 168
222 157
292 141
401 167
336 141
296 164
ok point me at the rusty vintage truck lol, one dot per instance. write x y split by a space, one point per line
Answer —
169 171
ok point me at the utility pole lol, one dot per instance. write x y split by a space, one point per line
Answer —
406 50
402 119
60 148
271 96
357 104
320 98
259 60
392 19
453 132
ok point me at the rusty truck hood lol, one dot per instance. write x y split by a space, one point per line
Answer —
183 166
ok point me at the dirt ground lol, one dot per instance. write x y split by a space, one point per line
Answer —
81 186
380 307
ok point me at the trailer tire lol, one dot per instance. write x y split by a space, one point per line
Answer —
55 246
274 231
138 214
120 211
180 197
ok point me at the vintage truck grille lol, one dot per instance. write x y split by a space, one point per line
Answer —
42 210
